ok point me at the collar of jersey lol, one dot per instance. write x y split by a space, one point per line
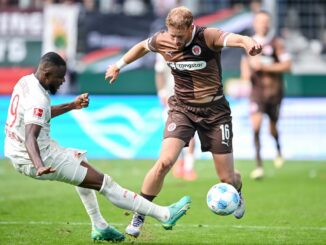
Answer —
39 84
192 36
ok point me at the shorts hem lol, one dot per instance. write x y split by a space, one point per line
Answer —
222 152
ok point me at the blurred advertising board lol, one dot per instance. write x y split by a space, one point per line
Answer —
26 34
20 37
131 127
60 30
100 31
20 44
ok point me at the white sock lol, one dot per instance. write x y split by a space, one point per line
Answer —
89 200
129 200
189 162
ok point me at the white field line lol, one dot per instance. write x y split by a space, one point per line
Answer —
184 226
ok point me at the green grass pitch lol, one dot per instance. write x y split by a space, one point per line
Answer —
287 207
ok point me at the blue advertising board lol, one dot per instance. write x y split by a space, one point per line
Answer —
131 127
111 127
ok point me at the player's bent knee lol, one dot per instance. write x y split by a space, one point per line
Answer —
164 165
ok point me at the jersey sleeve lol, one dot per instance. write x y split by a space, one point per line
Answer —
215 38
152 42
37 111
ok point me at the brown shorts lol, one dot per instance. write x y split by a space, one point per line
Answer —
271 109
212 121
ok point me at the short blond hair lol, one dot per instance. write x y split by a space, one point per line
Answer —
180 18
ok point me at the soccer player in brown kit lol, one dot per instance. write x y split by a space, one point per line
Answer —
265 72
193 54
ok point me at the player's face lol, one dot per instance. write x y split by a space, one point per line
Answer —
262 24
55 78
180 37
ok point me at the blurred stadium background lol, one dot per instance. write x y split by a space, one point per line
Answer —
124 120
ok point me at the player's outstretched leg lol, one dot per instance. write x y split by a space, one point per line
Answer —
129 200
176 211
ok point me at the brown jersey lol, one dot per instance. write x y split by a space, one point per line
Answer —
267 86
197 68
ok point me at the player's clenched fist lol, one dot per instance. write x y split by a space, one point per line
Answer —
255 48
82 101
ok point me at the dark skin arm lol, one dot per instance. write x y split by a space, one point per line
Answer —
32 131
81 101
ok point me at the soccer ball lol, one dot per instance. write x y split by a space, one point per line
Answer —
223 199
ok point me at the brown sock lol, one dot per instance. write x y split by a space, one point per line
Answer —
148 197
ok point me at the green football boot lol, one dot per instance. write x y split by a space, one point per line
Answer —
177 210
109 234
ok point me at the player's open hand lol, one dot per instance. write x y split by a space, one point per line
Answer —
254 48
81 101
112 72
44 170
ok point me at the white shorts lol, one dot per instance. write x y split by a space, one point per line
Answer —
66 162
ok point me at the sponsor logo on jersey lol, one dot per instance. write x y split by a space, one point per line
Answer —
38 112
196 50
187 65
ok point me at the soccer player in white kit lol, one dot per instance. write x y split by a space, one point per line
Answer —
33 153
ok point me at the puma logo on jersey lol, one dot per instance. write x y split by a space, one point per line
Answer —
187 65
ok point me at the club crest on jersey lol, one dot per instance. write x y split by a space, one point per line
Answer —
172 126
38 112
196 50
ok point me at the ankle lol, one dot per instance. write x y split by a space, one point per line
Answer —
147 197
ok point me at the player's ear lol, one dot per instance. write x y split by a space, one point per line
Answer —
48 71
46 74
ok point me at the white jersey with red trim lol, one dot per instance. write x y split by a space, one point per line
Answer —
30 104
